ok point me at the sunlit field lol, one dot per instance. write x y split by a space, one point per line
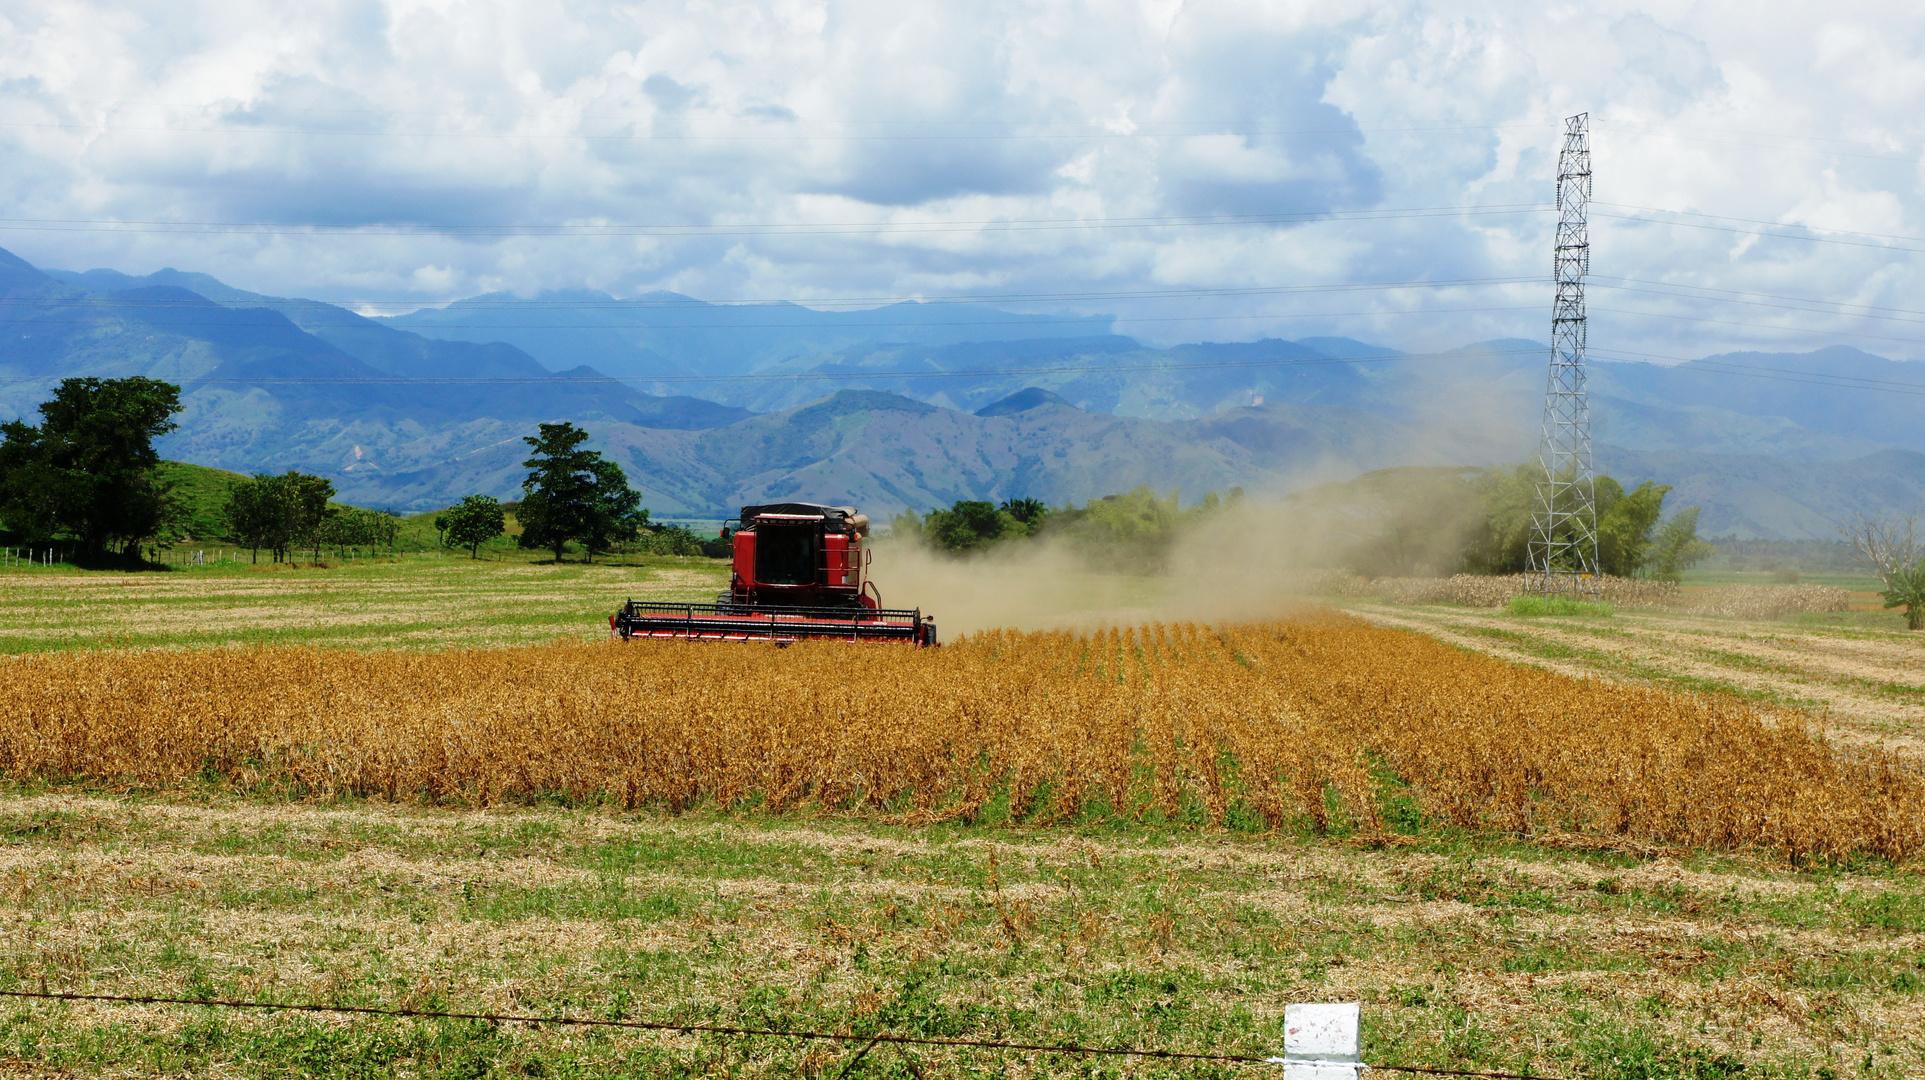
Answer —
1609 847
409 601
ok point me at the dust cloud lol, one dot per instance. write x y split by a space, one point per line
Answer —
1250 560
1240 564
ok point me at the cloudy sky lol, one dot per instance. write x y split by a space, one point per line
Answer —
1208 171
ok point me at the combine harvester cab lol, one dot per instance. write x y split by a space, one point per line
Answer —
799 573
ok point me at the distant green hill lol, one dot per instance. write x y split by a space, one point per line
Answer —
204 491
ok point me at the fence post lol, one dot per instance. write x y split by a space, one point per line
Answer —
1321 1041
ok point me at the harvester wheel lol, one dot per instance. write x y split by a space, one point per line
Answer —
723 601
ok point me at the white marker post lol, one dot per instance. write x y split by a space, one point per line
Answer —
1320 1042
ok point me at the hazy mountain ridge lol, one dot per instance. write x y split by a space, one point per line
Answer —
668 335
388 413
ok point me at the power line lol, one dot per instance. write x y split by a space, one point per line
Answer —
1201 131
1040 320
910 228
286 303
717 1029
1714 366
838 376
1701 365
1899 157
1748 134
1754 326
1676 288
1216 125
1835 239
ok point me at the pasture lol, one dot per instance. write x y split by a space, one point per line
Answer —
1641 846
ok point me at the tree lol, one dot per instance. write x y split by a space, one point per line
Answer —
968 525
441 527
279 512
1624 524
358 528
574 494
306 499
88 469
1906 589
1889 545
1677 547
616 514
473 522
1032 513
250 513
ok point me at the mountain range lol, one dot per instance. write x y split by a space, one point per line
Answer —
915 405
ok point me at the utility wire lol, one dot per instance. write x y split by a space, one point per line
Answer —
817 376
1704 366
1202 132
1689 292
287 303
883 228
1752 325
1038 320
1760 221
716 1029
1758 232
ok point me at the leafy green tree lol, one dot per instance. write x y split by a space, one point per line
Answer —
968 525
280 513
1033 513
1132 532
88 469
1625 521
1677 547
441 528
555 506
673 540
473 522
907 526
1891 547
575 494
251 515
616 514
1500 544
1905 588
306 498
355 528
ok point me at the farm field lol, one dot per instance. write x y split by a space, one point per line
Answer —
1465 953
1859 674
1103 838
1151 838
411 601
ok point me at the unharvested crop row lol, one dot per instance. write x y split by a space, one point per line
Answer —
1259 725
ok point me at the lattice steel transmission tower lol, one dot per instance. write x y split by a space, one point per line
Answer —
1563 543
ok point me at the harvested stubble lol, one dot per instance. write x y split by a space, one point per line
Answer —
1262 724
1479 590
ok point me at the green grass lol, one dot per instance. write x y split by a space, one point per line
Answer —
1466 951
1558 605
1854 580
419 600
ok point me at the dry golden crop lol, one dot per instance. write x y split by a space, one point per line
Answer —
1257 724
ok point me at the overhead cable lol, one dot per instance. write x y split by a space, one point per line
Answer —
904 228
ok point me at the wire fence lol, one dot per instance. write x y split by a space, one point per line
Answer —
871 1040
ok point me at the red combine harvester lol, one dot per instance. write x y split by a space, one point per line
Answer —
798 575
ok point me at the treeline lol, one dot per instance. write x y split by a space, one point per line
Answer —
1434 522
1402 522
1137 531
88 474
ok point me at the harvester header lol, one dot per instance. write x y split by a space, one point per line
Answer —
799 571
